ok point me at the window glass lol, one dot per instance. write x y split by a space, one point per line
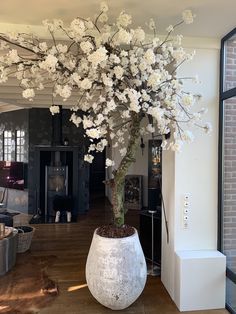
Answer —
20 141
7 145
231 294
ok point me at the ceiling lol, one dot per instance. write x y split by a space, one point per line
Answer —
214 18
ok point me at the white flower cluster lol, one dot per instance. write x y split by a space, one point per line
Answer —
54 109
117 77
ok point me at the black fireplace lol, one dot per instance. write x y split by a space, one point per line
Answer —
56 184
60 170
70 179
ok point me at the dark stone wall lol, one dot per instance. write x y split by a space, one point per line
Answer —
40 133
37 124
40 127
70 131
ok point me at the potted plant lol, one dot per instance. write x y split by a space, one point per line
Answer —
125 84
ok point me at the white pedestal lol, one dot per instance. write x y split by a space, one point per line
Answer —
199 280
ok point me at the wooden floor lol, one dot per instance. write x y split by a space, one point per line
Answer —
69 244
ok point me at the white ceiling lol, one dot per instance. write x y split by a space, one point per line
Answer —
214 18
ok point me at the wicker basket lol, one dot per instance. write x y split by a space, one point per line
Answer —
25 235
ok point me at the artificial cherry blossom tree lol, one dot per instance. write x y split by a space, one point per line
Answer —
125 83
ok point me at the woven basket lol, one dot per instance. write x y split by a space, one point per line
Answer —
25 235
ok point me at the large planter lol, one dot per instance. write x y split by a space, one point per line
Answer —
116 270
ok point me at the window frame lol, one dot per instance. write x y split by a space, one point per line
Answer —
4 154
223 95
21 146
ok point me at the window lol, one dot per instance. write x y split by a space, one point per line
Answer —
7 145
20 142
227 164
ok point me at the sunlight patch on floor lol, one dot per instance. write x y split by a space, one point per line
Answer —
74 288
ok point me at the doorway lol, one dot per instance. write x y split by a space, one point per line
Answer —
97 175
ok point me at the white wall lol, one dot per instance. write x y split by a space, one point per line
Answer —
193 172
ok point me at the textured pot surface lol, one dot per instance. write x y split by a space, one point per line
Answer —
116 270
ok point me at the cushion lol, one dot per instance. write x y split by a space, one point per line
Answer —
7 220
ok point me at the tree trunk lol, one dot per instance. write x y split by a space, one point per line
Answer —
119 175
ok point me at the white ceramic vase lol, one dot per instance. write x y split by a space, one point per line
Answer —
116 270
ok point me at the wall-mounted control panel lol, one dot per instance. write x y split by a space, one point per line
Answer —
186 211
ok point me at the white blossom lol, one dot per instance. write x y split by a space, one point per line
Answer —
124 20
152 24
49 64
86 46
89 158
12 57
107 80
113 75
125 114
187 16
3 75
103 18
87 122
188 100
101 145
86 84
176 146
188 136
104 6
28 93
124 37
98 56
119 71
93 133
149 57
54 109
43 46
154 80
75 119
111 105
123 151
3 45
138 35
109 163
63 91
77 28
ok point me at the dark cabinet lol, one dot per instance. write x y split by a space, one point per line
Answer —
154 173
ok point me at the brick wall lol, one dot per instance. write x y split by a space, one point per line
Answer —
229 215
230 65
229 223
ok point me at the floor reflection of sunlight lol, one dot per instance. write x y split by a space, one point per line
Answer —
4 307
73 288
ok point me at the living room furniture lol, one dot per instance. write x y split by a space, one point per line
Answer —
8 249
7 220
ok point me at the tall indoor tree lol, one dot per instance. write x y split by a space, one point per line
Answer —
125 82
